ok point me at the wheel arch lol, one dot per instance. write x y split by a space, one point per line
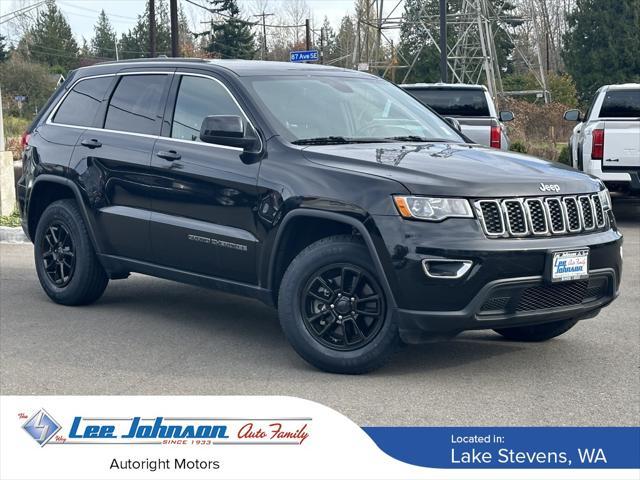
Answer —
46 190
280 257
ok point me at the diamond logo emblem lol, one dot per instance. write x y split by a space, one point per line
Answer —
41 427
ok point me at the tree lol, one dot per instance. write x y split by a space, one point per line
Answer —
345 42
329 39
602 44
50 40
21 78
135 42
231 37
3 49
104 38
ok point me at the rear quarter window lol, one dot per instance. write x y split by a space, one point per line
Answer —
80 106
455 102
621 104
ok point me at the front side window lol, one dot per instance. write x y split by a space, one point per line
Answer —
621 104
136 104
80 106
199 97
353 109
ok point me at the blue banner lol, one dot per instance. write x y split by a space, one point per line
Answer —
511 447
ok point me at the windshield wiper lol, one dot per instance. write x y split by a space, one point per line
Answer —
336 140
416 138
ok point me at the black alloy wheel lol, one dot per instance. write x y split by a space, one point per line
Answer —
58 254
343 307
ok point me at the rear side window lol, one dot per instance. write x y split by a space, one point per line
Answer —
136 104
460 102
82 103
198 98
621 104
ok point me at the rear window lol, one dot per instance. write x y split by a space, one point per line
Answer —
460 102
136 104
81 104
621 104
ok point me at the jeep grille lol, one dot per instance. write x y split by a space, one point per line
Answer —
541 216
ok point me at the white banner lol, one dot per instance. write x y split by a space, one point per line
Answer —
230 437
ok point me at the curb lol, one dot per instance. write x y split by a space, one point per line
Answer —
12 235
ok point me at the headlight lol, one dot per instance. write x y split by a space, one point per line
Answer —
431 208
605 199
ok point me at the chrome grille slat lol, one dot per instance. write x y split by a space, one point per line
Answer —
541 216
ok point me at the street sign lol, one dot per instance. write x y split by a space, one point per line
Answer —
304 56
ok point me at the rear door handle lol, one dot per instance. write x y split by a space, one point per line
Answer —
169 156
92 143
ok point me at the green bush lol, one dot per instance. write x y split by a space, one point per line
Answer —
561 87
15 126
518 146
563 157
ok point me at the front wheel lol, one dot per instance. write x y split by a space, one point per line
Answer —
333 309
537 333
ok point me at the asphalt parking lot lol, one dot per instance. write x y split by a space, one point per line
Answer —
150 336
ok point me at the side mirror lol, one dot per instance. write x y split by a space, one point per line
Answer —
572 115
228 130
453 123
505 116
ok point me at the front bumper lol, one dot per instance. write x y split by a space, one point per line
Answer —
505 287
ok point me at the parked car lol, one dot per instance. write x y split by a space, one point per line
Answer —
330 194
606 140
469 105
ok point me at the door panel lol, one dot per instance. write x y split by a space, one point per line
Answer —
112 164
203 212
204 202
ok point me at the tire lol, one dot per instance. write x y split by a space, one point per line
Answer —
357 341
537 333
61 236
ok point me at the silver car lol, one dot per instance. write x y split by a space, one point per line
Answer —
470 106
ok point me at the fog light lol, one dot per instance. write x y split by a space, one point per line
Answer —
450 269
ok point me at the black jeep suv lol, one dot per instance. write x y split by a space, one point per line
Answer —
362 215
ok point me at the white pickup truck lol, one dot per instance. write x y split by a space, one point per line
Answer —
468 105
606 141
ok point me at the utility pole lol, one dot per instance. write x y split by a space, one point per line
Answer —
152 28
443 41
173 11
115 44
307 28
321 45
263 54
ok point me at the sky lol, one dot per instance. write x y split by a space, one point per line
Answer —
82 14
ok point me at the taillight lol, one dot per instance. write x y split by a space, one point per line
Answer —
496 135
24 139
597 144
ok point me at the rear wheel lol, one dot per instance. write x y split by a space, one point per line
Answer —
537 333
333 309
66 263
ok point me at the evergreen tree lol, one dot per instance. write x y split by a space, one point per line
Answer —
345 42
136 42
232 37
602 45
104 38
329 37
3 49
51 41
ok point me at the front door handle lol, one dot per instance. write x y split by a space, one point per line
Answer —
169 156
92 143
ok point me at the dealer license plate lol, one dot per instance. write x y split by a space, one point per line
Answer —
573 265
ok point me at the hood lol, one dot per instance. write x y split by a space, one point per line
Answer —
456 169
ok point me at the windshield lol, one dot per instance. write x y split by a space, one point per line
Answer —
332 109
